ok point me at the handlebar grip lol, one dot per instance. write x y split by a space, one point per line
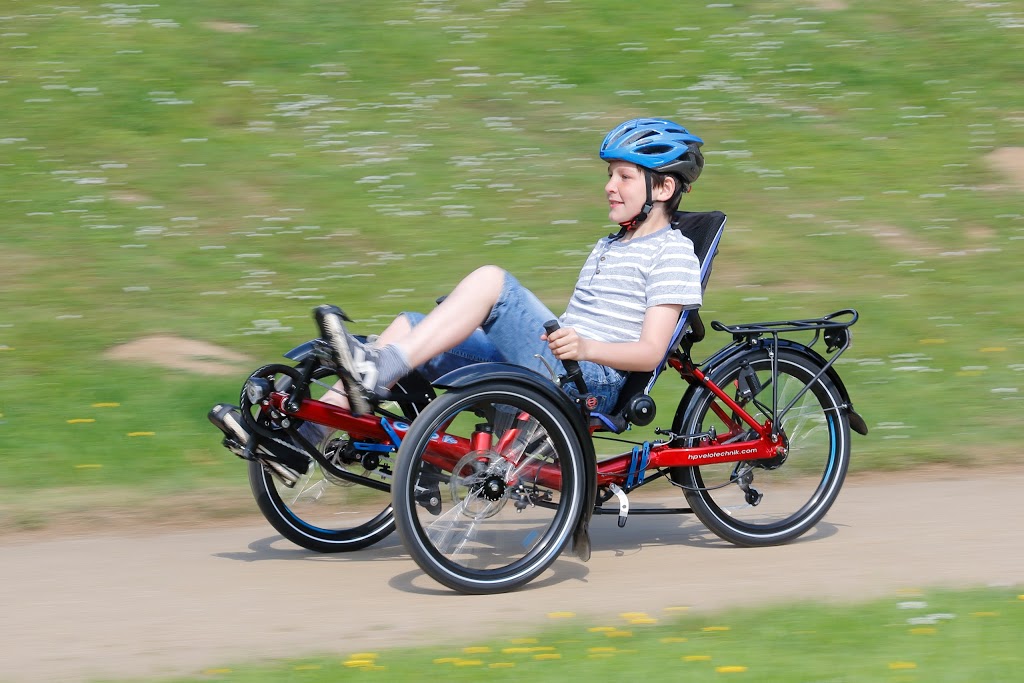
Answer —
572 368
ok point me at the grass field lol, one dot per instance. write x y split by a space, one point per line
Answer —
213 170
935 637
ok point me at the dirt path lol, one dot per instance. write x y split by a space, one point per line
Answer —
129 605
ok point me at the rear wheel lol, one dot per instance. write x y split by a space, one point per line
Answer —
320 510
489 486
768 502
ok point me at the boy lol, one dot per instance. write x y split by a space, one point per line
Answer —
622 313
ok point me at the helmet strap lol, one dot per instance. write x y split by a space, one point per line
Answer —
636 220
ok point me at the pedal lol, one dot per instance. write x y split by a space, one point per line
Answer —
235 447
224 416
285 474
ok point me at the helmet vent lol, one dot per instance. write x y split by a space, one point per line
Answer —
655 149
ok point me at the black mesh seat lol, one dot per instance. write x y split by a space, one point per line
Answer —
705 230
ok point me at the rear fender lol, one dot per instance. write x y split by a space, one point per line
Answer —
857 422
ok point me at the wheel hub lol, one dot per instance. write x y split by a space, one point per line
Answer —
478 484
782 451
493 489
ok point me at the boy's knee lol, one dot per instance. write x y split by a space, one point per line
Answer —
487 278
491 272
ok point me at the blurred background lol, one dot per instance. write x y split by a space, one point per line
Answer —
182 182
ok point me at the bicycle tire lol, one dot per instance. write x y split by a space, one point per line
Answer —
497 523
325 513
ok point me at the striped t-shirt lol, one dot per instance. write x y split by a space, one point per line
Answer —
621 280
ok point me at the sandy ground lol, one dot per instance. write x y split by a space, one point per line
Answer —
178 602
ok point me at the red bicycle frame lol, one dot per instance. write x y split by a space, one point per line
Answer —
447 449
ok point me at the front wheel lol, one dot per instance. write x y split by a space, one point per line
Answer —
320 510
489 485
768 502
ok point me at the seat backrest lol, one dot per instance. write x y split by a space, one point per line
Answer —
704 229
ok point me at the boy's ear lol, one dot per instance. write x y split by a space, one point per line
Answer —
667 189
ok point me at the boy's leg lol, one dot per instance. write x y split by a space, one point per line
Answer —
515 325
455 318
372 369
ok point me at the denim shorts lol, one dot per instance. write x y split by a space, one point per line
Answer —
511 334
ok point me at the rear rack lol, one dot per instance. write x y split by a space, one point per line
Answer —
834 328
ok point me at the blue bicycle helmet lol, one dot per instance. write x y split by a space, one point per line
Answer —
657 145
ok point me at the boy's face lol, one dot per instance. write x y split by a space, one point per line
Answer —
626 191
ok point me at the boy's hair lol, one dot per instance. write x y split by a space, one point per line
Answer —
658 181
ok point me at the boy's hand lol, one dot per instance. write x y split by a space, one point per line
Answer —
566 344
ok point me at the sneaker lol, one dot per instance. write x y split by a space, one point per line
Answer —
282 450
356 361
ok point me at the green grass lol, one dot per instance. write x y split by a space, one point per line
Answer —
971 635
163 175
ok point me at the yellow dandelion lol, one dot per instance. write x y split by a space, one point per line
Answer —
993 349
516 650
601 629
363 655
640 621
468 662
88 466
730 669
358 663
446 660
141 433
712 629
600 655
673 639
476 650
1021 596
215 672
619 634
897 666
307 667
523 641
697 658
542 648
547 655
81 421
106 405
633 615
923 631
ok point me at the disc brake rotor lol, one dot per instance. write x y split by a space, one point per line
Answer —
477 485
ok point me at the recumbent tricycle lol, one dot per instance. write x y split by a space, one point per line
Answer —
491 471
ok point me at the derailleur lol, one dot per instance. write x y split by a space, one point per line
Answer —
750 494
